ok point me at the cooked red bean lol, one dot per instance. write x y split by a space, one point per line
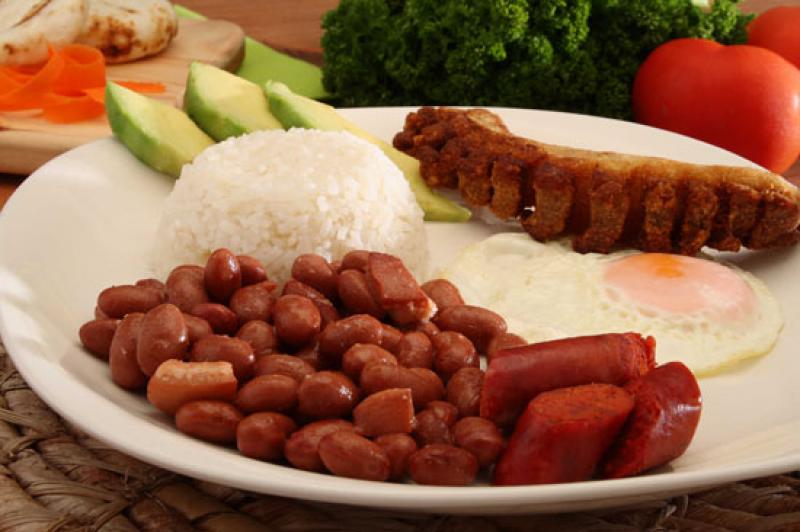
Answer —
196 327
398 447
297 320
327 311
155 284
99 314
252 269
315 271
125 370
464 391
216 348
223 275
355 295
327 394
261 337
117 301
213 421
96 336
359 355
253 302
302 447
162 335
310 355
339 336
431 429
390 338
176 383
453 352
440 464
355 260
222 319
346 454
447 412
385 412
425 385
268 393
415 350
478 324
288 365
479 436
263 435
428 327
444 293
504 340
186 287
336 266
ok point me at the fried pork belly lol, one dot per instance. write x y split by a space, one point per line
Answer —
603 199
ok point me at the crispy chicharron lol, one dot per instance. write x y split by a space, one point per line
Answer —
603 199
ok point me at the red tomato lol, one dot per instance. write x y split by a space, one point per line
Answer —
778 29
742 98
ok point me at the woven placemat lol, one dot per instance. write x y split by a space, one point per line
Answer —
55 477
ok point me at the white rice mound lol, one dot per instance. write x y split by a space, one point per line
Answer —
277 194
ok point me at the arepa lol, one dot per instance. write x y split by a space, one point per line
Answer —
26 27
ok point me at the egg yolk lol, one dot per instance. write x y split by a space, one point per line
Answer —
680 285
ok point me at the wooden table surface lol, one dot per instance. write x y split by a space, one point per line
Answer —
294 26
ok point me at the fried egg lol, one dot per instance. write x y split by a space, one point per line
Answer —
702 312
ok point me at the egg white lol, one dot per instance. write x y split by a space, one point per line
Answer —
547 291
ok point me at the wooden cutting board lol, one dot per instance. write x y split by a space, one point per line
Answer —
27 142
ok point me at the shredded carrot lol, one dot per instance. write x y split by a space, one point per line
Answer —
68 87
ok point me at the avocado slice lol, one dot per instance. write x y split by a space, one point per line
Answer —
225 105
294 110
159 135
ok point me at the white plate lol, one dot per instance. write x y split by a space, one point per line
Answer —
85 221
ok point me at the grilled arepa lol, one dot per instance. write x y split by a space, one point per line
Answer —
27 26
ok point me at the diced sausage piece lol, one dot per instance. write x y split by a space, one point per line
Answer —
355 295
464 391
327 311
398 447
359 355
517 375
302 447
175 383
261 337
288 365
478 324
385 412
453 352
223 275
96 336
346 454
213 421
315 271
268 393
253 271
479 436
339 336
327 394
415 350
441 464
263 435
430 428
396 290
504 340
443 293
562 435
662 424
425 385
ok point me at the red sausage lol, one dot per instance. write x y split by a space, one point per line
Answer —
662 424
396 290
563 434
517 375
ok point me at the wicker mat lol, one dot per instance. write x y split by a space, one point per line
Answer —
54 477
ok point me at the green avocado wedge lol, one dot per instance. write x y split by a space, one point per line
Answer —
159 135
293 110
225 105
